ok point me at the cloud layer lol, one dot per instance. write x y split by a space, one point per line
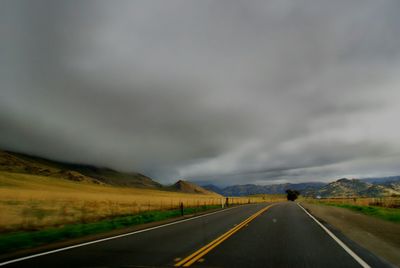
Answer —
233 92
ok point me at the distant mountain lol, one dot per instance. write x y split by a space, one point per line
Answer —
392 182
341 188
381 180
21 163
393 185
353 188
251 189
213 188
189 187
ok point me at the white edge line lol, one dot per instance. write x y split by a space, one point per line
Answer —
343 245
110 238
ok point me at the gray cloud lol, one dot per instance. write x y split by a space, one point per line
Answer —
233 92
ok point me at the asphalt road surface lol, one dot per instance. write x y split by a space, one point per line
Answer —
282 236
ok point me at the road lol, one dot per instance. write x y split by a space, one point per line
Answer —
282 236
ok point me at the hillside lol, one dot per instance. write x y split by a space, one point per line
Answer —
392 182
20 163
188 187
116 178
353 188
252 189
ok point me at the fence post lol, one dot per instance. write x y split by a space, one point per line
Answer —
181 208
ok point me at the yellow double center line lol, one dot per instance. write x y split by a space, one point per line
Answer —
189 260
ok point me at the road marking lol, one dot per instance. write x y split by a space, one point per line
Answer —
111 238
197 255
343 245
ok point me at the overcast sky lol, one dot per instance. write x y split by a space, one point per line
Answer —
223 91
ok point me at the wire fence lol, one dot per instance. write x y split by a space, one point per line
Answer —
387 202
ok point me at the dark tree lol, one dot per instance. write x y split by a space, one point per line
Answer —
292 194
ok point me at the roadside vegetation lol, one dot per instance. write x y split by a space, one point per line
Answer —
27 239
386 208
389 214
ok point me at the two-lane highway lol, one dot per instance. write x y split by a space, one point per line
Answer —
282 235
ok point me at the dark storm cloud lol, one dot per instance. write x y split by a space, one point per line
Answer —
234 92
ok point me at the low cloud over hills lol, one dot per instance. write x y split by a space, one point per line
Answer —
255 93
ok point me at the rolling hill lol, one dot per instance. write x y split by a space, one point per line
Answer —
188 187
21 163
116 178
392 182
353 188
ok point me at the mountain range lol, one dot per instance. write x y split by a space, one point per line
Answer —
358 188
22 163
369 187
251 189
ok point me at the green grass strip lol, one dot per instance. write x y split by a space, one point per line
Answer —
21 240
388 214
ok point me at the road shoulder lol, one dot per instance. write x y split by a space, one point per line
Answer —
380 237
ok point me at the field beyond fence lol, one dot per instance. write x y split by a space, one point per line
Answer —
385 202
31 203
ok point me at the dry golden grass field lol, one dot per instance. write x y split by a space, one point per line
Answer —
385 202
32 202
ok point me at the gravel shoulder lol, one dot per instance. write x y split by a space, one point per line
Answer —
378 236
